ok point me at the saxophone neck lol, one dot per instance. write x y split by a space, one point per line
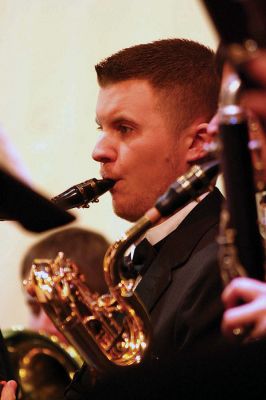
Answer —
115 253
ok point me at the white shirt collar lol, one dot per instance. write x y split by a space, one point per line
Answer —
158 232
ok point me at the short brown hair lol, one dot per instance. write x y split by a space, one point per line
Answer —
182 69
85 247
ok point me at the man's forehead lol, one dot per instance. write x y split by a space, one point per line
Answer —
125 96
126 86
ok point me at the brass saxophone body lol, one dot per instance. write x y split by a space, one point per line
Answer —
111 330
108 330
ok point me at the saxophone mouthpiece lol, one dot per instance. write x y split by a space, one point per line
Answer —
83 193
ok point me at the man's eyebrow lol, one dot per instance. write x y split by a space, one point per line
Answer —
123 120
118 120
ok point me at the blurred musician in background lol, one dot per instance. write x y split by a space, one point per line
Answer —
250 292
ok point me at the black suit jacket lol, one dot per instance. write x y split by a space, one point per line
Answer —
182 287
181 290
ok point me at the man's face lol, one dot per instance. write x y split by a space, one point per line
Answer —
137 147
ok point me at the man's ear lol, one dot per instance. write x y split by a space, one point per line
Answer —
200 137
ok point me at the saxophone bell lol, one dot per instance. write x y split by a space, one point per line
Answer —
83 193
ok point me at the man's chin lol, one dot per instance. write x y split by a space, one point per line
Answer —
126 213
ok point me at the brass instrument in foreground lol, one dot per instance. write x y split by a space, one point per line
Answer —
43 366
108 330
111 330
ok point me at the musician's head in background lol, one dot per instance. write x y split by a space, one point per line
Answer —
84 247
154 103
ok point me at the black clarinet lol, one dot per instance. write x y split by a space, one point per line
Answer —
241 26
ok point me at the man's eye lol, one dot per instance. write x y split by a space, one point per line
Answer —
124 129
99 128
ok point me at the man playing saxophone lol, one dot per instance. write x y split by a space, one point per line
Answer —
154 103
144 152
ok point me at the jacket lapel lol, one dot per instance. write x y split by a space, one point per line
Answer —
178 247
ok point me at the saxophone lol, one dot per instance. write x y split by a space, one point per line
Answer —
112 330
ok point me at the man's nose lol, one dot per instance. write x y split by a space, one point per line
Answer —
104 150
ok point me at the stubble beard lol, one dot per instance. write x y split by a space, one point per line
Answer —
134 208
128 211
